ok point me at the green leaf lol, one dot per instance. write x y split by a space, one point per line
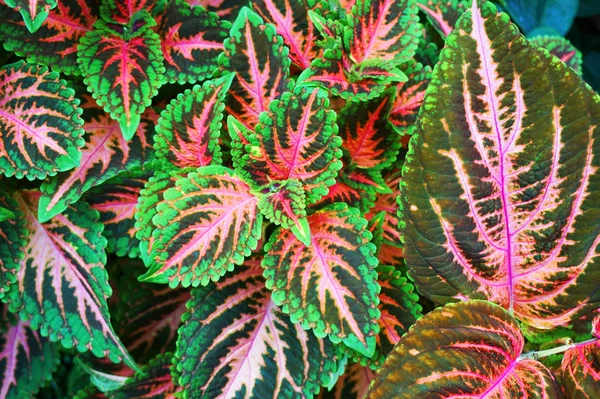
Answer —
34 12
561 48
154 381
13 236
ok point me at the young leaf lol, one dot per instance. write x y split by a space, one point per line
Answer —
62 285
123 68
409 97
104 155
12 242
463 350
27 359
188 130
442 15
34 12
191 41
54 44
297 139
40 122
257 54
500 181
205 225
562 48
154 381
331 285
237 343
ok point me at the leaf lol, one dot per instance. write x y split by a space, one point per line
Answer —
104 155
62 285
226 9
240 137
466 349
354 383
27 360
124 11
188 130
367 138
154 381
40 123
561 48
331 285
257 55
386 30
532 14
499 184
235 342
296 140
12 242
191 41
347 190
89 392
290 17
34 12
54 44
442 15
122 71
206 224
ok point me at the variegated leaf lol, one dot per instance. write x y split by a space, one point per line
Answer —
40 122
191 41
290 17
123 68
502 180
561 48
205 225
353 384
237 343
34 12
104 155
368 139
257 55
296 139
226 9
153 382
443 14
13 235
239 136
409 96
349 192
331 285
62 285
463 350
123 11
54 44
188 130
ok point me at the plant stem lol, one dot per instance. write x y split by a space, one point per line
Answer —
553 351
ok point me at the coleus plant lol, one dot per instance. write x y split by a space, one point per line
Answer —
280 193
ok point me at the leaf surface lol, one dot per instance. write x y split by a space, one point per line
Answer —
442 15
34 12
409 96
13 236
154 382
561 48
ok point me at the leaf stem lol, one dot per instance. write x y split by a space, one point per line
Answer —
553 351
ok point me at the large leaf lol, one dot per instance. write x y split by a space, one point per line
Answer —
296 140
257 54
105 154
500 182
290 17
189 128
562 48
191 41
205 225
237 343
331 285
55 43
12 242
34 12
40 122
123 68
463 350
153 382
62 285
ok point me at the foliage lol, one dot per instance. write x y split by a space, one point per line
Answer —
299 199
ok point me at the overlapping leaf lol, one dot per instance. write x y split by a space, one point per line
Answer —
226 9
501 182
329 286
154 381
123 11
34 12
104 155
40 123
12 242
206 224
257 54
123 68
467 349
189 128
296 139
354 383
409 96
191 41
442 15
237 343
347 190
62 285
54 44
562 48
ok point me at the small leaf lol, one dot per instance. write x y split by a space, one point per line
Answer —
123 72
154 381
188 130
442 15
237 343
206 224
354 383
561 48
466 349
13 235
40 123
34 12
329 286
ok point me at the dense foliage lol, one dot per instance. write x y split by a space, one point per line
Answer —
299 199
